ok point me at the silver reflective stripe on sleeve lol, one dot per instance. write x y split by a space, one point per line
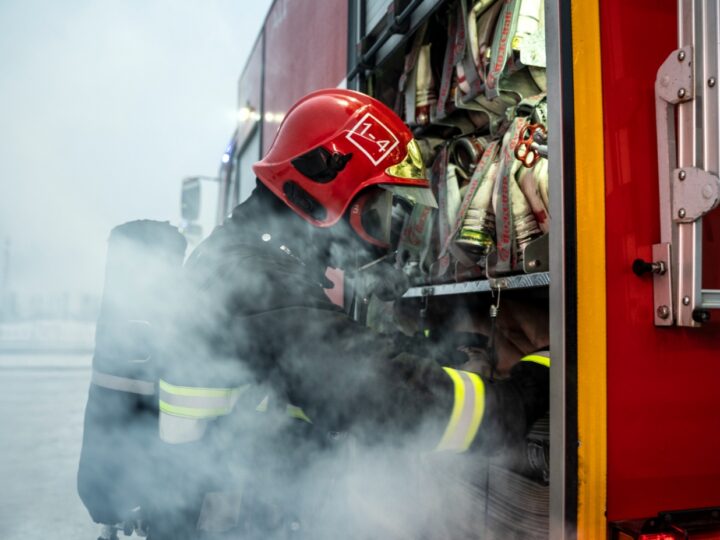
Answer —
122 384
178 430
542 358
467 412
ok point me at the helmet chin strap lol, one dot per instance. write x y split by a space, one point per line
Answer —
347 250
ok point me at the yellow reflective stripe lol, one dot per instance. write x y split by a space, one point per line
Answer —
297 412
457 408
478 410
467 412
263 405
195 391
193 412
197 402
538 359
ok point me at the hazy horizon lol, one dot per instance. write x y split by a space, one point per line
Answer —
106 107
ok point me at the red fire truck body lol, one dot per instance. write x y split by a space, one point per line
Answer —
662 397
635 378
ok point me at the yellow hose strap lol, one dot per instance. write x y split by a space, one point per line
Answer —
542 358
197 402
467 412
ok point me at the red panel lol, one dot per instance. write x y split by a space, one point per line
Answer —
663 384
250 90
306 49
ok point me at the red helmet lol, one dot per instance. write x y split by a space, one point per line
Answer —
335 143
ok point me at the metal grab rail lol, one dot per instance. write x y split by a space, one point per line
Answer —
687 165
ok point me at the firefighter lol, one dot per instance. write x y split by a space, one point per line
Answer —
260 361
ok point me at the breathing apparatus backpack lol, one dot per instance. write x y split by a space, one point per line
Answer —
118 461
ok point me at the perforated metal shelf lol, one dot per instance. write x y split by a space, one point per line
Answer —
523 281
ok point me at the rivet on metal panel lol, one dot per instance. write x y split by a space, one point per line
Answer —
662 284
711 82
682 175
707 191
700 315
686 300
681 56
681 213
681 93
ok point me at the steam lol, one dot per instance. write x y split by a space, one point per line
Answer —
364 472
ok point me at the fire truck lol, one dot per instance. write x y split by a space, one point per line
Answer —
627 264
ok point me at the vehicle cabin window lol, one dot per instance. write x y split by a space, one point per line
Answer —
245 177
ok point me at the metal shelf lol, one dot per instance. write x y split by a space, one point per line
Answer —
397 31
523 281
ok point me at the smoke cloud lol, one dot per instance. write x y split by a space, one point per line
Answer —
257 472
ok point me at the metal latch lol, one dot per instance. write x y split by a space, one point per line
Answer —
694 193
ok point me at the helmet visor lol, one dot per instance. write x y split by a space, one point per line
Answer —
371 215
412 194
412 167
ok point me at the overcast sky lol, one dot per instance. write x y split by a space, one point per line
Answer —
104 107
